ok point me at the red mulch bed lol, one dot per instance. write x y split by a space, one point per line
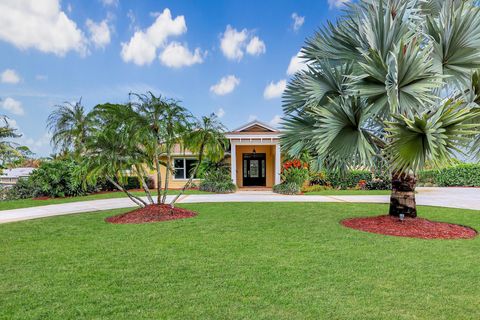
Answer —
410 227
151 213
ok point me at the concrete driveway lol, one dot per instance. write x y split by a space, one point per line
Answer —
463 198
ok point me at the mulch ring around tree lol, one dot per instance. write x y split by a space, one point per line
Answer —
151 213
410 227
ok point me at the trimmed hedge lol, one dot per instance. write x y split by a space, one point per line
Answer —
351 179
464 175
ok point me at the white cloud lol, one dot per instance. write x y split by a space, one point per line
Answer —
225 85
10 76
112 3
13 106
41 25
234 43
252 117
296 64
256 47
41 77
337 3
298 21
220 112
143 45
99 33
176 55
276 120
274 90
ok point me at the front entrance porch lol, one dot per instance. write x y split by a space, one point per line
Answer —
255 156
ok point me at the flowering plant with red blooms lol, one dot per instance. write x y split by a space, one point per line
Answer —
295 171
295 163
362 185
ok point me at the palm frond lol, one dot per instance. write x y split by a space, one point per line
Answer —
435 137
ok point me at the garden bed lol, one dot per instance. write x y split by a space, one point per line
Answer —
410 227
151 213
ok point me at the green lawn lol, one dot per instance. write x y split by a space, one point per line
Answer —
237 261
353 192
27 203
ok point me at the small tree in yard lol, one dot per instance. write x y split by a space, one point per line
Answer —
69 124
132 138
391 79
205 139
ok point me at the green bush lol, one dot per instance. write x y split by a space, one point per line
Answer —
129 184
466 175
23 189
381 183
286 188
295 175
348 179
217 179
315 187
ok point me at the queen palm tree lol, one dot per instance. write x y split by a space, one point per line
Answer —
163 122
206 139
7 147
69 125
389 80
114 149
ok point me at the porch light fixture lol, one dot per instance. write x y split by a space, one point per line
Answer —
254 151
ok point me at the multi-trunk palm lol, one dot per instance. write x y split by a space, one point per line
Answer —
392 81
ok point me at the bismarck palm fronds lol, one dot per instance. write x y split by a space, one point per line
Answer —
456 39
404 57
432 137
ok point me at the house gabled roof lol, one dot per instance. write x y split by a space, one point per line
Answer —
254 130
255 126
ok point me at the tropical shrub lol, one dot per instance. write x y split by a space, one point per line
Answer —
294 174
216 178
315 188
467 175
379 184
358 179
349 179
287 188
23 189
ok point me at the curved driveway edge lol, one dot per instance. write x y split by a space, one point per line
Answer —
462 198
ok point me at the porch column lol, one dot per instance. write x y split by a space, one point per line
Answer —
277 163
233 159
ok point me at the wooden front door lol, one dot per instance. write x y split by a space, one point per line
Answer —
254 169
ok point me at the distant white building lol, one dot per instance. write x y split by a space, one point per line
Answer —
9 177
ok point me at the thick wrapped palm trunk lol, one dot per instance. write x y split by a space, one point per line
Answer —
402 199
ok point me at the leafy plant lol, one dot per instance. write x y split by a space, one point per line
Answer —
217 178
287 188
389 84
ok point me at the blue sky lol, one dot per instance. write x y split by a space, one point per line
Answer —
228 57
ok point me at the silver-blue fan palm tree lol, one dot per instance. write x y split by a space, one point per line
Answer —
392 80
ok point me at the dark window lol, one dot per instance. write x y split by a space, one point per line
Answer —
184 168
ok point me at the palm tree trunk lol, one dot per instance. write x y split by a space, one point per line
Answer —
167 174
200 156
159 177
135 199
402 199
144 184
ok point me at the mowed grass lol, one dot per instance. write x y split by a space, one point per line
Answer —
352 192
28 203
237 261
